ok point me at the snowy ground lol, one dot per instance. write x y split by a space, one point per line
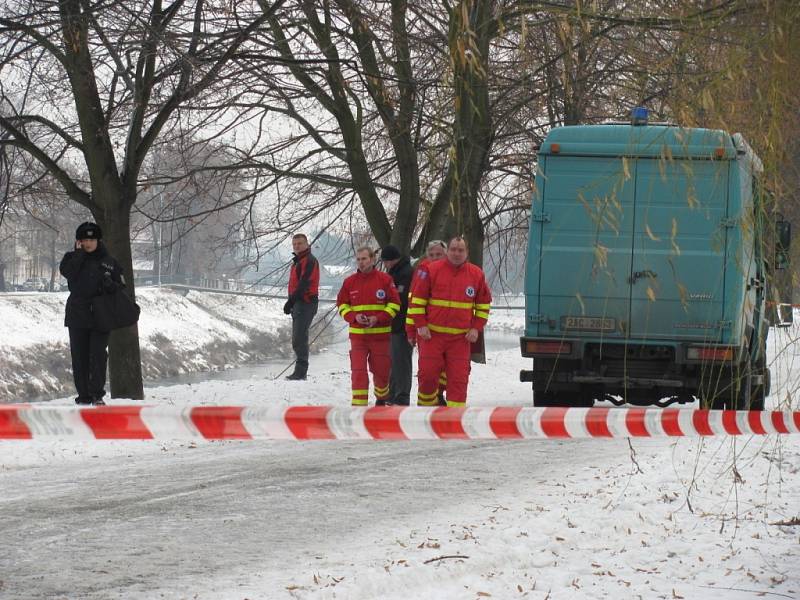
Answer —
669 519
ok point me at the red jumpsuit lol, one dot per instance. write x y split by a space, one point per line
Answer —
411 330
411 334
449 300
370 294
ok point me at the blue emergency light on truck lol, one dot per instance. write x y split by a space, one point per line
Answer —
650 265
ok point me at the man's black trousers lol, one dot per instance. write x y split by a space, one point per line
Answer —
88 348
400 377
302 315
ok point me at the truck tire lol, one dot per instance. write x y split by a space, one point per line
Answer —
587 396
712 394
581 399
761 390
541 398
750 395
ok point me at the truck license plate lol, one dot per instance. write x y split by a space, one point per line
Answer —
588 323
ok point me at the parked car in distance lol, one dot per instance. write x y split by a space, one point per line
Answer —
36 284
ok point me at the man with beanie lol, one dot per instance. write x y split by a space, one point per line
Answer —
303 301
401 271
90 271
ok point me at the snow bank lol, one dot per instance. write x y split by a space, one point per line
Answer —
178 334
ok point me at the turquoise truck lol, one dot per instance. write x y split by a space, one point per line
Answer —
649 276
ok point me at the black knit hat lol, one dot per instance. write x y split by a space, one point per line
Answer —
390 253
88 231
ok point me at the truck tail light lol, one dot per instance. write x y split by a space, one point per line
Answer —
715 353
536 347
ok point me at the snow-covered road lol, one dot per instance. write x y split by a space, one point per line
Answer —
244 520
179 521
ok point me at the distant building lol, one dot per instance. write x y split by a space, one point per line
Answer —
29 250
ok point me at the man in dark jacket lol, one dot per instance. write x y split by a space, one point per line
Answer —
400 269
90 271
303 301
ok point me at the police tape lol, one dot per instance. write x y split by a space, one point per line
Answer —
25 422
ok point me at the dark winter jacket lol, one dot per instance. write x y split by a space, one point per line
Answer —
401 274
88 274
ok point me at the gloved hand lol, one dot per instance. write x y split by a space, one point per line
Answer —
108 284
287 308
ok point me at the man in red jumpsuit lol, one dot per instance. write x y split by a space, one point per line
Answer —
436 251
455 303
369 301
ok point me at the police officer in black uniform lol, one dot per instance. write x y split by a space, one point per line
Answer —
90 271
399 267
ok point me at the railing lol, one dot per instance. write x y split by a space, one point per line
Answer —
326 294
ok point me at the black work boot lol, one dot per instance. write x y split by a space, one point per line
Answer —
296 376
84 400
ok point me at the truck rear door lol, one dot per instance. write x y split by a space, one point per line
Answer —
679 229
585 227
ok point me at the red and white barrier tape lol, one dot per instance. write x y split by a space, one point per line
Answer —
378 423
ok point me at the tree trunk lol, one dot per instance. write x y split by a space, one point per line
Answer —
53 261
456 210
124 360
437 224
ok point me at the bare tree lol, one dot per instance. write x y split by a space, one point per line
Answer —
100 83
191 204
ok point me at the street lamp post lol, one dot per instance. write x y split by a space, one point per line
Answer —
160 233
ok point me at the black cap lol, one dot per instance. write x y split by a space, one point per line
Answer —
88 231
390 253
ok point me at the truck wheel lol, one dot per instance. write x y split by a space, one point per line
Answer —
714 391
587 396
541 398
761 390
750 396
711 400
581 399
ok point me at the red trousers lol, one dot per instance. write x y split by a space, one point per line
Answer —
369 351
443 352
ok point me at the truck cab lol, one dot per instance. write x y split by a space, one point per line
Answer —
649 268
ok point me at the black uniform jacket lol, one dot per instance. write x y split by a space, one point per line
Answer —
88 274
401 274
